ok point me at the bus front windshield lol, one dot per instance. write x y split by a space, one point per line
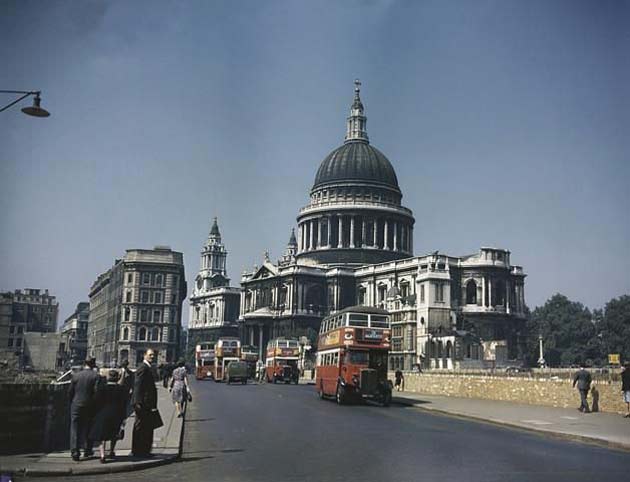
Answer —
357 358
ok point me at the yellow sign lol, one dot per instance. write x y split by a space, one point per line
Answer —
332 338
613 358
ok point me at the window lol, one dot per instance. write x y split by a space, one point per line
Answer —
471 293
143 315
158 280
128 297
12 329
144 296
142 334
126 334
127 314
404 289
20 329
10 342
157 297
439 292
18 342
422 293
155 334
146 278
129 278
156 316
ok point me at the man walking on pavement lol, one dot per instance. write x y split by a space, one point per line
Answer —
625 387
82 393
144 402
583 379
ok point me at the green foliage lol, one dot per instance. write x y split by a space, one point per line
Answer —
569 334
614 327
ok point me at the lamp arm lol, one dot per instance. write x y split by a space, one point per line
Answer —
26 94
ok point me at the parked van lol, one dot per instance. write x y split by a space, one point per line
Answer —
236 371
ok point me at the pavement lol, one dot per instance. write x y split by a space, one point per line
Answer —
605 429
166 449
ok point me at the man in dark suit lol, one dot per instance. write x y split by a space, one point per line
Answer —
144 401
583 379
82 392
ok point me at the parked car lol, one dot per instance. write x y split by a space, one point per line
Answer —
236 371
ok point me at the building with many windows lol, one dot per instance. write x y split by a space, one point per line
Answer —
355 246
75 330
214 304
137 304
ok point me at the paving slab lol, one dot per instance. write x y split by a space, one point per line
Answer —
606 429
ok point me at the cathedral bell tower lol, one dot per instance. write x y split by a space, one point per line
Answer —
213 272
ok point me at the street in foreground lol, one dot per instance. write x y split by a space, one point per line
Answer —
284 432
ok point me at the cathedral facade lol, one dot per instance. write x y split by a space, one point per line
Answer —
354 246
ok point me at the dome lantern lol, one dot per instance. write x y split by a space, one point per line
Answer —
357 122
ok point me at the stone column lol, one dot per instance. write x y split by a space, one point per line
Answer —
311 236
395 236
483 291
340 240
490 292
260 341
319 233
385 236
507 296
375 233
352 231
328 237
363 243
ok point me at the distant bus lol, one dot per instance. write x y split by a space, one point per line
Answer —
249 354
281 364
227 349
204 360
352 356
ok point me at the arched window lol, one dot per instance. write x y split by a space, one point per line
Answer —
142 334
449 349
155 334
126 334
127 314
471 292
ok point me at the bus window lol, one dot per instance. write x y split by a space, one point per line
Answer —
379 321
357 358
355 319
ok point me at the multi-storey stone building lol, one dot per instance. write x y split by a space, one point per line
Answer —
75 330
137 304
355 246
214 304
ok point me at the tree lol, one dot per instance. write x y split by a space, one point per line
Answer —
614 327
569 334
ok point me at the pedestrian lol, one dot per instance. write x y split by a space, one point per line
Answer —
595 396
144 403
260 370
126 381
399 383
82 393
179 387
168 372
583 379
625 387
111 405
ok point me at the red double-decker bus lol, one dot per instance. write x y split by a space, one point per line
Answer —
204 360
281 364
352 356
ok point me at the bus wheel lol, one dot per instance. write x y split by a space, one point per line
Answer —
340 396
387 398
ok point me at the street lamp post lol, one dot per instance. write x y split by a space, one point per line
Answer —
35 110
541 358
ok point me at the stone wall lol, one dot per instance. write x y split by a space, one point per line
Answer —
534 391
35 418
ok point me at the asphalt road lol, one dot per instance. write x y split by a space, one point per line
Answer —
285 433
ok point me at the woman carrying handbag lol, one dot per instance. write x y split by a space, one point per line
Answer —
179 388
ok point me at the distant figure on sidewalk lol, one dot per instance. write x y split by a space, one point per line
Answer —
179 387
595 396
82 394
168 373
111 410
260 371
400 381
625 387
144 402
583 379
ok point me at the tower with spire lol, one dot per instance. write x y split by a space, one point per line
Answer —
357 122
213 270
214 305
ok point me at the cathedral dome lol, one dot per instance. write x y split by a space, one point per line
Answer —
356 161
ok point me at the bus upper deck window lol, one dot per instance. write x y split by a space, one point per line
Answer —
379 321
356 319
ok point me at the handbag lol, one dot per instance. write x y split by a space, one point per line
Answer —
189 397
155 419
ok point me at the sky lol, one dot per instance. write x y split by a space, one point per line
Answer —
508 125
